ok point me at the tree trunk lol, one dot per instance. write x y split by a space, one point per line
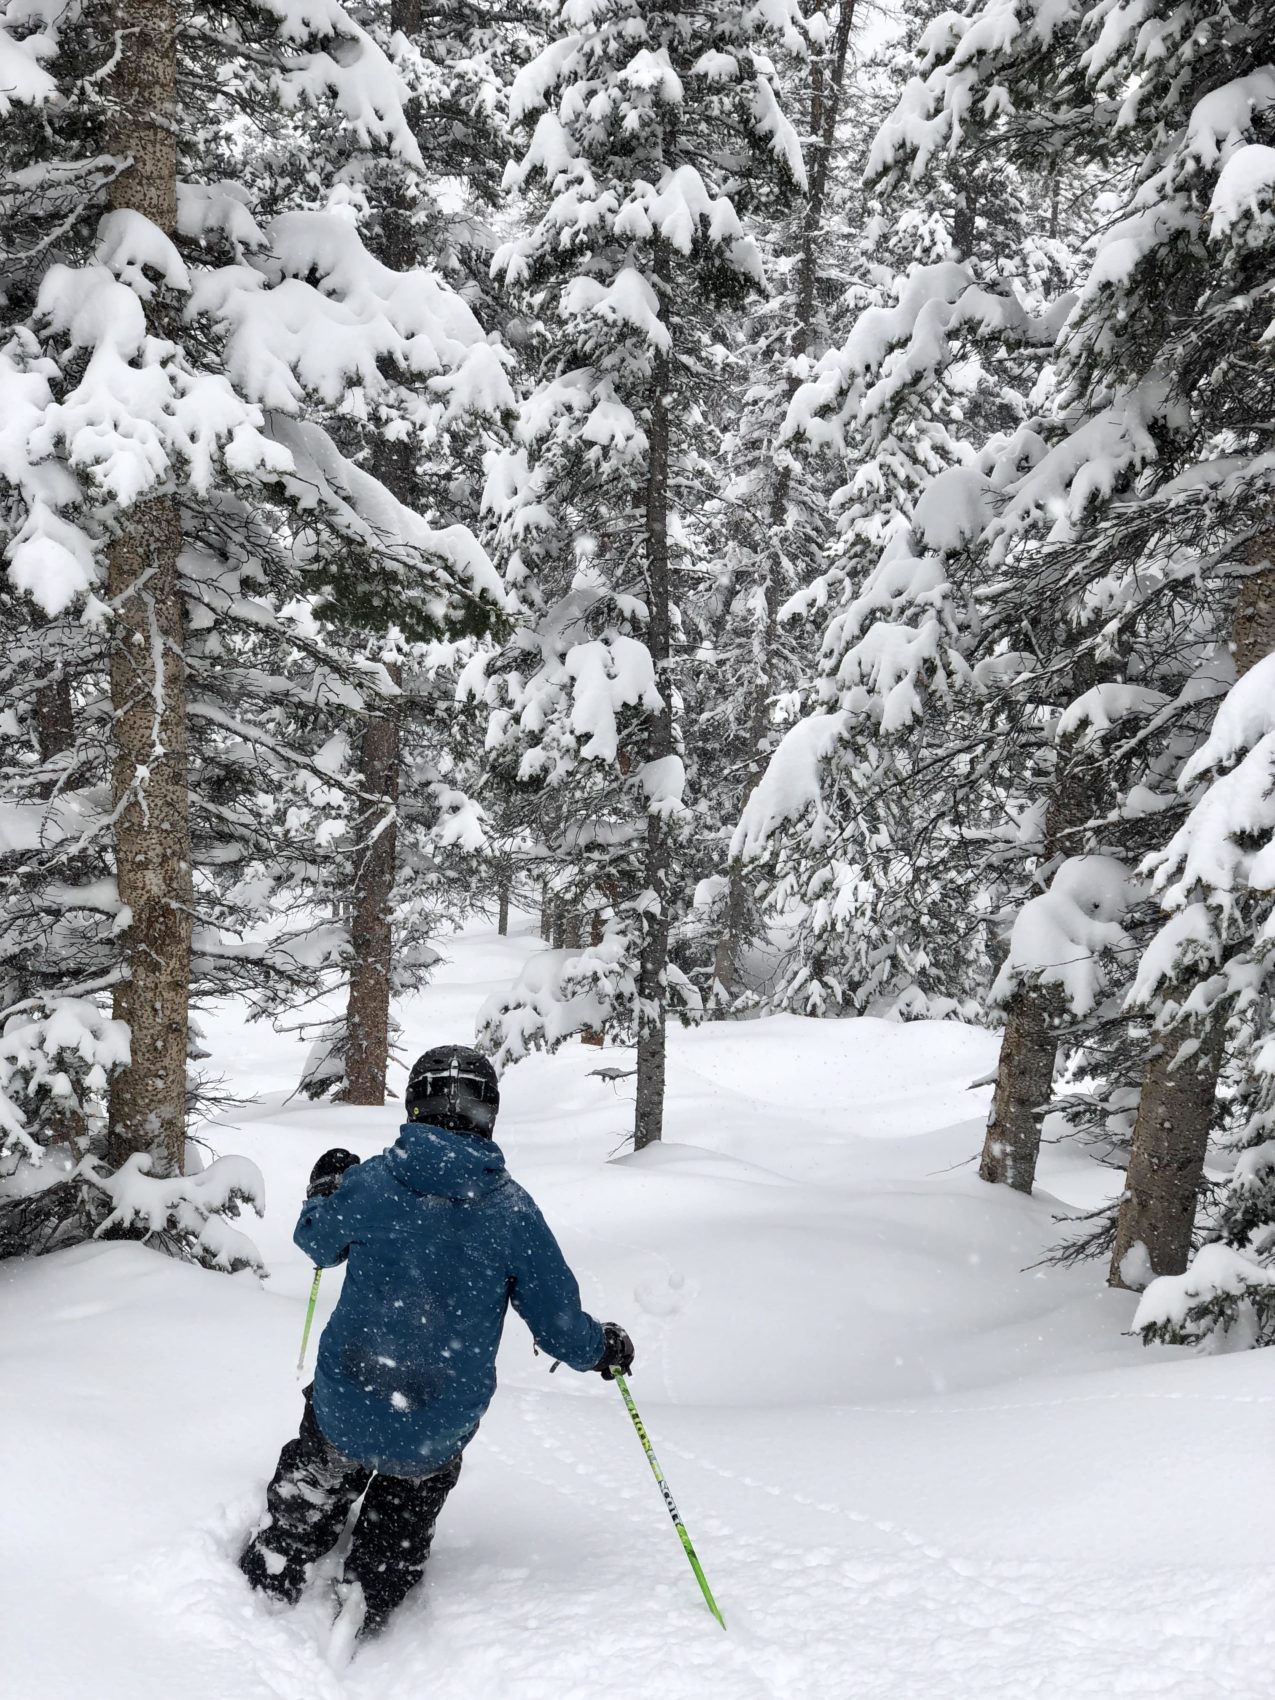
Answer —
1166 1159
1024 1077
827 87
1253 631
367 1023
653 966
726 955
149 783
826 93
393 462
54 724
152 835
1025 1068
964 222
407 16
1175 1111
503 890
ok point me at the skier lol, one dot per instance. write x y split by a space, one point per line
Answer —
439 1242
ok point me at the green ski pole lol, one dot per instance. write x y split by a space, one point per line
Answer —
309 1318
678 1524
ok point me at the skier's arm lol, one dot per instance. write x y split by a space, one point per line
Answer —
329 1220
546 1296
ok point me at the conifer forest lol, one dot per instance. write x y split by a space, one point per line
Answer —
721 554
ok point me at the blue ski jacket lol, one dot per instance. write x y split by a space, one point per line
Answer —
439 1241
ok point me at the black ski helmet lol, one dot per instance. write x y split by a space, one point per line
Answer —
454 1087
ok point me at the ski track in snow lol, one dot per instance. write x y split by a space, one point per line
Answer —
914 1468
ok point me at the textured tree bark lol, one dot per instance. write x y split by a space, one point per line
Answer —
653 966
827 88
1025 1068
54 724
1024 1076
152 835
149 770
1175 1111
367 1022
367 1015
1253 632
1166 1159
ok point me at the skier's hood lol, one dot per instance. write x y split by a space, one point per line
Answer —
430 1160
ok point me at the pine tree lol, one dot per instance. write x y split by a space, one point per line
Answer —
658 129
1134 498
428 454
863 827
177 514
772 516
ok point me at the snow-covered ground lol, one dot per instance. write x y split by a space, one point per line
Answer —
916 1468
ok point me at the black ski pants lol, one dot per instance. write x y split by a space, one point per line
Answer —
308 1502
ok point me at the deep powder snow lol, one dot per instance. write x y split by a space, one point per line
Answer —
916 1467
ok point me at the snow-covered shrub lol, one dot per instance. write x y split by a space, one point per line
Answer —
562 993
55 1067
56 1186
183 1214
1064 939
1225 1301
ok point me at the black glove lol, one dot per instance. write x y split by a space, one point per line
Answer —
325 1176
617 1354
